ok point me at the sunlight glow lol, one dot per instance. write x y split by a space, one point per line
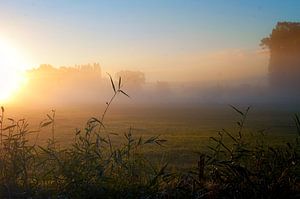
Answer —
12 68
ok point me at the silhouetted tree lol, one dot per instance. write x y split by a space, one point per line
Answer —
80 82
284 46
46 68
135 79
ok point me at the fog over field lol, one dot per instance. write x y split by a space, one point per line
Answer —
89 84
149 99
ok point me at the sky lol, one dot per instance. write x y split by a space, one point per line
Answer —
169 40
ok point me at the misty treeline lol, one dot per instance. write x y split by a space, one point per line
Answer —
79 84
86 84
284 65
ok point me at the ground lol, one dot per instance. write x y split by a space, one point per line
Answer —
187 128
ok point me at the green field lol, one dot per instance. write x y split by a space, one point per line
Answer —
187 128
211 150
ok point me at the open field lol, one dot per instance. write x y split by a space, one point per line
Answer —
186 128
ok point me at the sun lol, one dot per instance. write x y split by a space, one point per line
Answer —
12 68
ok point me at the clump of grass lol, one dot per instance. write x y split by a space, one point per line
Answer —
91 167
247 167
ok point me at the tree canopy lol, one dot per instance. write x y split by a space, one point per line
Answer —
285 37
284 64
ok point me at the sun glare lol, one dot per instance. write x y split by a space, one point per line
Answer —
12 67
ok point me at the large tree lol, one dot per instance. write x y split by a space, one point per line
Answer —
284 46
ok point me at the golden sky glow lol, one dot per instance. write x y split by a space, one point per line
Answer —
12 68
170 40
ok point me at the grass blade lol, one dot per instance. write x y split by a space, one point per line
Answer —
124 93
237 110
120 81
112 82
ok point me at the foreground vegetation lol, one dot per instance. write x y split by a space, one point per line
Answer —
240 164
243 166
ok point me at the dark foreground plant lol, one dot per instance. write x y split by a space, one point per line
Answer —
240 165
247 167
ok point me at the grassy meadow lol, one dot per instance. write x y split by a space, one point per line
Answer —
149 152
180 151
187 128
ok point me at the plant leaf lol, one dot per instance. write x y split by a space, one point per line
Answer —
124 93
9 127
120 81
112 82
237 110
46 124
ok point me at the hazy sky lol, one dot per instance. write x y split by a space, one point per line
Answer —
168 39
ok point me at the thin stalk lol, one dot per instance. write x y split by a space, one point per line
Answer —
53 125
107 106
1 125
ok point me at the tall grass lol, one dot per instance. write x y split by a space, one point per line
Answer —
240 165
248 167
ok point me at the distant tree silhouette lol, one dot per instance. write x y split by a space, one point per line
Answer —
135 79
284 63
46 67
48 83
